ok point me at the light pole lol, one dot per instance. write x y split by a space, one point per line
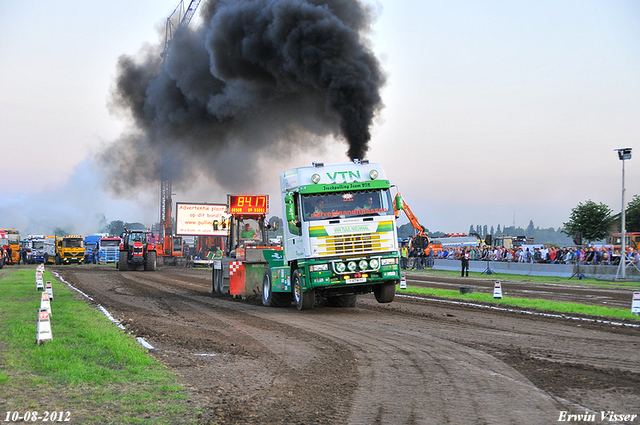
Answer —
623 154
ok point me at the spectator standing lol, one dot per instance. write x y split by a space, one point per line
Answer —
464 259
404 254
431 259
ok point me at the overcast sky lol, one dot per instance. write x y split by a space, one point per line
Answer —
495 112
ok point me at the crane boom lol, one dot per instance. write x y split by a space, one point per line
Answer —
421 238
412 218
171 245
183 17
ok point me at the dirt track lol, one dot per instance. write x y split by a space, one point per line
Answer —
408 362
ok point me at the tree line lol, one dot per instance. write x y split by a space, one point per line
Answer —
589 221
540 235
593 221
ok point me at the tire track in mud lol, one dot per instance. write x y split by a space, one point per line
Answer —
410 376
279 368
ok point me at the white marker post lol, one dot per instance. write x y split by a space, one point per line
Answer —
45 302
403 282
49 290
39 283
497 290
43 327
635 304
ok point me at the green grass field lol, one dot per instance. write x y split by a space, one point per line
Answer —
91 369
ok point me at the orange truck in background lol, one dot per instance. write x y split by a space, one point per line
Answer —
13 246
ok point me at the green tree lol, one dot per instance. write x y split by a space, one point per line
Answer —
115 227
632 215
590 219
61 231
530 230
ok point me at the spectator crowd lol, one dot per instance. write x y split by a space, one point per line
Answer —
418 259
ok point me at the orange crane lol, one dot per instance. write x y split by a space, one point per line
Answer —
172 245
421 239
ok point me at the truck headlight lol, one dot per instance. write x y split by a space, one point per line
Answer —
374 263
319 268
351 265
389 261
363 264
340 267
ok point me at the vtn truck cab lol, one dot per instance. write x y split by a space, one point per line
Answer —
340 237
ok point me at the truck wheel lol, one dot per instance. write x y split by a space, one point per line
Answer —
270 298
385 293
342 301
150 261
267 295
217 280
304 300
122 261
57 260
1 261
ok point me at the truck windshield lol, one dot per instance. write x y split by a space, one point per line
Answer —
138 237
105 244
346 204
37 245
73 243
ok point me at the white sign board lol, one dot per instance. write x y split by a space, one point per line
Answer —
202 220
635 304
497 290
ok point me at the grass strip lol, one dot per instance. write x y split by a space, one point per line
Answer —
589 282
91 369
559 307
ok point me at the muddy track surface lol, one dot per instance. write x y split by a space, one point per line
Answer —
412 361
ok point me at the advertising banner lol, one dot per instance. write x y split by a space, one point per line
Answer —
202 219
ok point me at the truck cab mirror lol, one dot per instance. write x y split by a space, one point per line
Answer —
274 225
399 202
290 210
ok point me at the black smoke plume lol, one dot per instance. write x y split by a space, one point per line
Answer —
257 79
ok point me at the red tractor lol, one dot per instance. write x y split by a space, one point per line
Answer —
137 251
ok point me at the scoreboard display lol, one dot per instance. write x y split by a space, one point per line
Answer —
248 204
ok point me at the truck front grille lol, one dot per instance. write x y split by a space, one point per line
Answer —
353 244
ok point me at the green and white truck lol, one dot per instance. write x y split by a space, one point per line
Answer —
339 237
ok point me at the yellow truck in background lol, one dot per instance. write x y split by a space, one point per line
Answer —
64 250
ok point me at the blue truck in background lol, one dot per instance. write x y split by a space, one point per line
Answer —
91 246
109 249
